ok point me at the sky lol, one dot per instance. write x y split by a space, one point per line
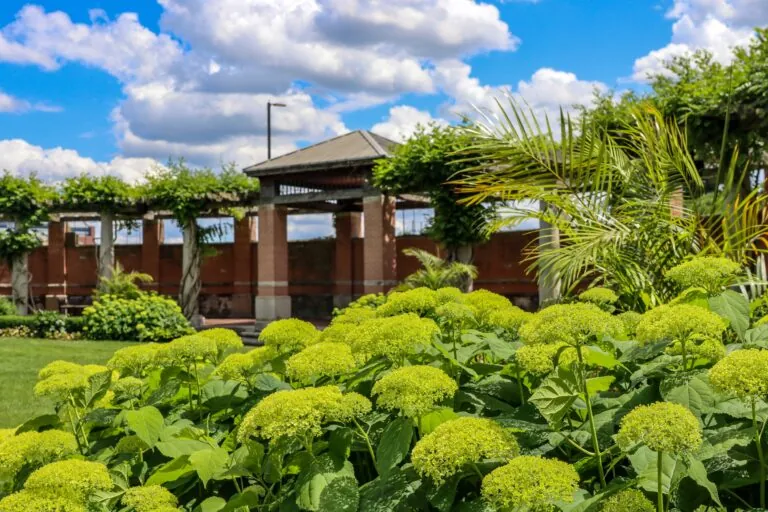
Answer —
116 86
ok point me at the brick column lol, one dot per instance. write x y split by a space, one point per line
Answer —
152 238
380 245
273 300
242 296
348 227
56 294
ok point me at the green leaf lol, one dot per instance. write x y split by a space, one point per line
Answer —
147 423
171 471
597 385
340 443
644 462
394 445
98 385
691 390
398 491
757 336
164 392
208 463
178 446
247 500
430 421
734 307
268 383
328 486
35 424
598 357
218 395
698 473
212 504
555 396
500 349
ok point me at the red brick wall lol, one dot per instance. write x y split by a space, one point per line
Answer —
311 268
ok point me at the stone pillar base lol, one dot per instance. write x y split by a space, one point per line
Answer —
54 302
273 308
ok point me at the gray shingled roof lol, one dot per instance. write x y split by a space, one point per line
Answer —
355 147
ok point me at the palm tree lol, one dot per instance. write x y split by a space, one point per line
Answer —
438 273
616 199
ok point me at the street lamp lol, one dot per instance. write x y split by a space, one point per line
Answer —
269 126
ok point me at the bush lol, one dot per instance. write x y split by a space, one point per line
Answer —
48 324
151 317
6 307
11 321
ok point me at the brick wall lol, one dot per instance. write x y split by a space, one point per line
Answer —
311 273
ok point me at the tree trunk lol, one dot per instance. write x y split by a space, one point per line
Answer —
549 282
463 254
190 276
107 246
20 283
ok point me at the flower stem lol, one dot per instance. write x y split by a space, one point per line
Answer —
367 441
659 486
591 416
760 454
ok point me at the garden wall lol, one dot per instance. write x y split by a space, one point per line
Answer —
229 275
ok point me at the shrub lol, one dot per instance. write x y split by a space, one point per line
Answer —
6 307
149 318
13 321
48 324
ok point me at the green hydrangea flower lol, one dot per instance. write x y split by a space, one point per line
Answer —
743 373
289 335
449 294
630 319
630 500
74 479
58 368
325 359
188 351
354 316
414 390
662 427
131 444
679 322
6 433
27 501
457 443
60 380
530 483
149 498
421 301
538 359
237 367
509 320
394 337
706 272
296 413
352 406
34 448
574 324
134 360
338 333
455 314
484 303
699 347
226 340
128 387
599 296
261 356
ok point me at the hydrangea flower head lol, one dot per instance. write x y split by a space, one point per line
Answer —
354 316
530 483
128 387
394 337
134 360
455 314
599 296
289 335
28 501
338 333
630 319
131 444
236 367
189 350
679 322
484 302
414 390
456 443
421 301
60 380
662 427
509 320
701 347
352 406
574 324
743 373
58 368
326 359
149 498
296 413
538 359
707 272
34 448
630 500
449 294
76 479
226 340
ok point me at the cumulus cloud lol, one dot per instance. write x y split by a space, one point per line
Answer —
402 122
12 104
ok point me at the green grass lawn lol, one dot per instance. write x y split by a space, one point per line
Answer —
21 359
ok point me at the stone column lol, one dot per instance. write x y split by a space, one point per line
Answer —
348 227
549 283
190 275
107 246
20 283
57 266
273 300
152 238
380 245
242 296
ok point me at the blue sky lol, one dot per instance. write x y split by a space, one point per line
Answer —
113 86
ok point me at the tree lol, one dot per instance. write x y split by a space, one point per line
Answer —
425 164
436 273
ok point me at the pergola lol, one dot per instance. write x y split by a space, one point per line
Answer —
333 176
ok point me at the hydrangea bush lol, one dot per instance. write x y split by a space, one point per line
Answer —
428 400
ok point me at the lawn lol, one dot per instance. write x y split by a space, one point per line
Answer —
21 359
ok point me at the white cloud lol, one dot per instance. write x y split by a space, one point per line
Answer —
56 164
402 122
714 25
12 104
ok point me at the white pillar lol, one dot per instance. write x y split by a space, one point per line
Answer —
20 283
190 276
107 246
549 282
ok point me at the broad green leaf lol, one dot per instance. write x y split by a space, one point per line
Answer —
644 462
695 296
597 385
212 504
430 421
268 382
247 500
692 390
598 357
555 396
98 385
222 394
698 473
328 486
208 463
165 392
340 443
398 491
442 496
757 336
734 307
394 445
500 349
178 446
171 471
147 423
35 424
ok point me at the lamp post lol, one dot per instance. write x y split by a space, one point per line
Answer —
269 126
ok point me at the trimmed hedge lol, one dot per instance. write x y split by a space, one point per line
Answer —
72 324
